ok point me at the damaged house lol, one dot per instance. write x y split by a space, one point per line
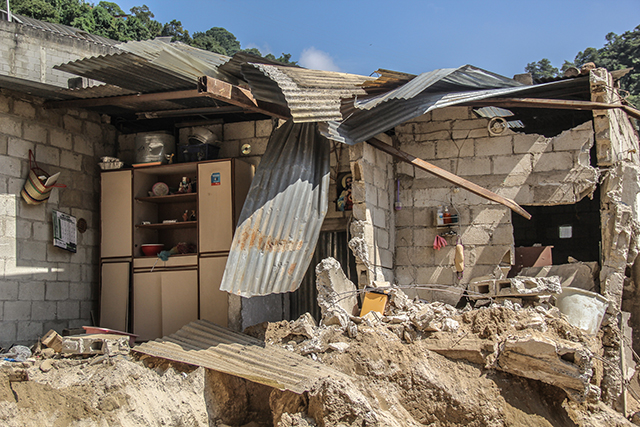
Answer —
452 185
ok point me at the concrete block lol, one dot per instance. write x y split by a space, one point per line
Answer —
31 291
512 165
23 109
4 142
435 275
382 238
494 146
405 275
531 144
57 291
386 258
93 131
48 155
68 309
384 199
490 215
573 140
35 132
240 130
433 136
11 126
72 124
502 235
406 128
451 113
430 197
404 237
19 148
475 236
404 217
11 166
43 310
17 310
264 128
403 257
430 127
523 195
422 150
454 149
85 309
80 291
83 145
444 256
95 344
491 255
553 161
8 333
24 228
71 160
474 166
31 250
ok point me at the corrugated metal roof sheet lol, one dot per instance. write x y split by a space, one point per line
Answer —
369 117
282 215
202 343
150 66
63 30
310 95
489 112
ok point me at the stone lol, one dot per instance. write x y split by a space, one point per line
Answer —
582 275
46 365
305 325
533 285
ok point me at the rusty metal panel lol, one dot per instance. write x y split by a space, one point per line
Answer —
282 215
203 343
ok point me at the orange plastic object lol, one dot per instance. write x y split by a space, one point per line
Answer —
373 302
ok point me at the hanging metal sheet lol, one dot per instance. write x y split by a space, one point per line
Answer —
282 215
367 118
202 343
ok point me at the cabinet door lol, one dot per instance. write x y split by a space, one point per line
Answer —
114 295
147 305
115 214
214 303
179 299
215 207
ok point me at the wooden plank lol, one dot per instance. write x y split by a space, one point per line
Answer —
450 177
124 100
240 97
560 104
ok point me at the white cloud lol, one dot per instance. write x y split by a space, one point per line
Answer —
317 60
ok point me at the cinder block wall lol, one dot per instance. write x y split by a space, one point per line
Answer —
30 54
530 169
43 287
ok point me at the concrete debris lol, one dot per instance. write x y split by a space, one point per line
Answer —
90 344
534 285
52 340
583 275
558 362
336 293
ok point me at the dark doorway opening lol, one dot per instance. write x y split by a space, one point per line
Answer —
330 244
572 230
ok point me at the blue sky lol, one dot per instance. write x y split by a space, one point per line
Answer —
410 36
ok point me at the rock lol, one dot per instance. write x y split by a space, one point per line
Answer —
339 346
533 285
46 365
450 325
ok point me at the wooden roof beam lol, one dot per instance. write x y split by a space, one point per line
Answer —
124 100
235 95
448 176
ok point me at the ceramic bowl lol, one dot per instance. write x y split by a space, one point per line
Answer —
152 249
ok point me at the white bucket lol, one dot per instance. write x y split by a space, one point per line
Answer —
584 309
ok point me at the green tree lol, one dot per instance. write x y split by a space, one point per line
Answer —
541 69
285 58
177 33
145 16
218 40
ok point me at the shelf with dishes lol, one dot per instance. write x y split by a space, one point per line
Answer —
169 198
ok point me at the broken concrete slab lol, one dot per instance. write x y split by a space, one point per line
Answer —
558 362
583 275
336 293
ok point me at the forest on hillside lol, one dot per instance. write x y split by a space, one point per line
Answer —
107 19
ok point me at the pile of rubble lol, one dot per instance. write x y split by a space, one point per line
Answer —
412 363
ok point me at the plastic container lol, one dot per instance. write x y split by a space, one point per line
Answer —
152 249
154 146
439 216
584 309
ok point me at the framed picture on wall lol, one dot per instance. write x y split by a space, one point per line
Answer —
344 202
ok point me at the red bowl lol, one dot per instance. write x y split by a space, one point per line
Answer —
152 249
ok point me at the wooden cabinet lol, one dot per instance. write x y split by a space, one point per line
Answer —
167 295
